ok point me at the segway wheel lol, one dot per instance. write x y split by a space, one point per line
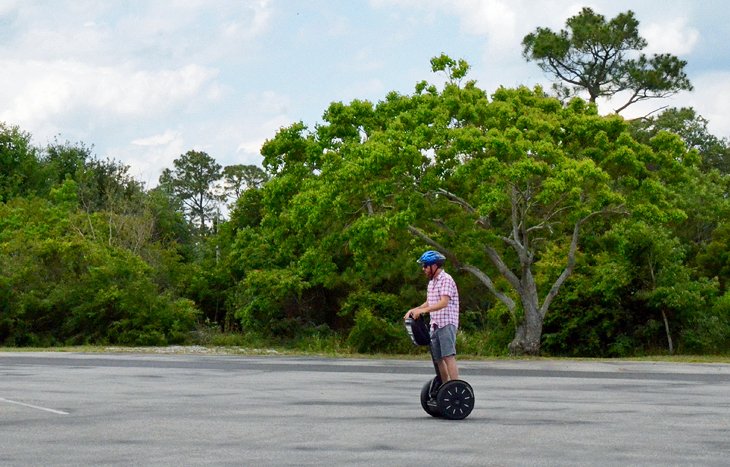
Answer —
455 399
428 403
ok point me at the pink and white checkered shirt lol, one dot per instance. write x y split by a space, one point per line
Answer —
443 284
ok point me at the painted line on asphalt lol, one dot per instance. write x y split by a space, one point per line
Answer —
46 409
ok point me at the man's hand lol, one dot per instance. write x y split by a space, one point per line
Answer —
413 313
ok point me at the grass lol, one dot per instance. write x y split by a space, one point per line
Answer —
317 350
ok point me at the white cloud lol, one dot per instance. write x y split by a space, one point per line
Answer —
147 165
493 18
157 140
262 15
250 148
365 60
145 82
235 138
710 98
6 6
270 102
674 36
359 89
41 91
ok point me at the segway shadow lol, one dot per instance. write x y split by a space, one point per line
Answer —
453 400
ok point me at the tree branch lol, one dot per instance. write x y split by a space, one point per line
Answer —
483 221
506 272
553 212
571 257
436 245
517 241
476 272
457 200
484 279
566 272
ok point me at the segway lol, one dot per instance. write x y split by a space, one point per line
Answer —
453 400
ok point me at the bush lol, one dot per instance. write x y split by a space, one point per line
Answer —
68 289
384 305
709 330
319 339
266 302
371 334
484 343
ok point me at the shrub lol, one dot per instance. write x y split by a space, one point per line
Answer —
372 334
709 330
266 301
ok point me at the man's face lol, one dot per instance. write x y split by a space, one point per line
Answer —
428 270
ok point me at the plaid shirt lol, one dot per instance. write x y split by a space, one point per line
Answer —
443 284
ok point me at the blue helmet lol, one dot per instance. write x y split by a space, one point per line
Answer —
432 257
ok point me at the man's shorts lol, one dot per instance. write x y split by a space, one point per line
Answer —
443 342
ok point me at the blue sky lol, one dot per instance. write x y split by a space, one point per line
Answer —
145 81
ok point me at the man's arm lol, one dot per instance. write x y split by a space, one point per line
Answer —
426 308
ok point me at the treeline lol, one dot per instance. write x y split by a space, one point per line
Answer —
321 242
569 232
87 255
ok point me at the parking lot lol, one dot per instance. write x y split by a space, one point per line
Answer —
143 409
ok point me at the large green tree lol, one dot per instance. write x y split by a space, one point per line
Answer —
602 58
494 184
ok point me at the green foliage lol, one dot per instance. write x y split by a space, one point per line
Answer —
169 223
615 304
19 165
61 285
384 305
328 237
692 128
238 179
484 343
709 328
614 232
715 258
372 334
455 70
65 160
319 339
267 302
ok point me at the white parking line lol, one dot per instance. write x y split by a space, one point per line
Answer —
59 412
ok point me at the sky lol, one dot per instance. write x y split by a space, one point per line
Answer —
145 81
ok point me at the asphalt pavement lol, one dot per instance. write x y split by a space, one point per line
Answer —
148 409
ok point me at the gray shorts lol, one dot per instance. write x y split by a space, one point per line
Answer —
443 342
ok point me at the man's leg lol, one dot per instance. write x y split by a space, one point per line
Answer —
451 368
443 371
448 369
445 343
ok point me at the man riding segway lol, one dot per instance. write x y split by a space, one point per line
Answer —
442 304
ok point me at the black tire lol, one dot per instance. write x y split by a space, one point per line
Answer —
455 399
432 409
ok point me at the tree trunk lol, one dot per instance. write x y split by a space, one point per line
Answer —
669 335
528 333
